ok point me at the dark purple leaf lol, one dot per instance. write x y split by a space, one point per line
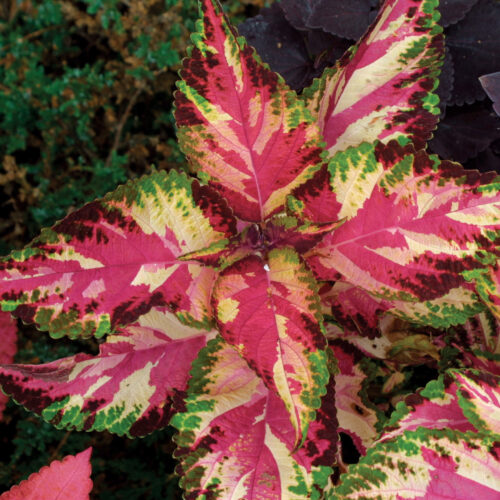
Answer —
465 132
491 85
475 47
453 11
297 56
345 18
326 48
446 79
298 12
488 160
280 45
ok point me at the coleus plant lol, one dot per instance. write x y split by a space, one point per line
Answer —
239 306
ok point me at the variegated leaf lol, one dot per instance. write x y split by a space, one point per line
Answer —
382 87
269 311
8 349
61 479
439 229
244 131
111 261
488 287
425 464
479 398
461 400
355 309
434 407
482 361
236 440
483 332
355 417
128 388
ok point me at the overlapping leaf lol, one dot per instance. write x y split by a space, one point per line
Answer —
269 311
8 347
475 48
441 406
440 227
426 464
345 19
464 132
130 387
453 11
488 286
236 439
244 130
483 333
111 261
297 56
62 479
354 309
382 88
355 418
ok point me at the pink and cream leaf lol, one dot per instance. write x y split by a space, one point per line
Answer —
111 261
382 87
434 407
269 311
425 464
440 230
461 400
62 479
479 398
130 387
355 418
236 440
488 286
483 332
245 132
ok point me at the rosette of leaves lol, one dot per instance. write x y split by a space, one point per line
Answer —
299 39
237 305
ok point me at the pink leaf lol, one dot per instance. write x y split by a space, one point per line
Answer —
355 418
236 439
65 479
488 287
355 309
465 400
483 333
130 387
111 261
269 311
439 230
435 407
426 464
381 88
258 140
